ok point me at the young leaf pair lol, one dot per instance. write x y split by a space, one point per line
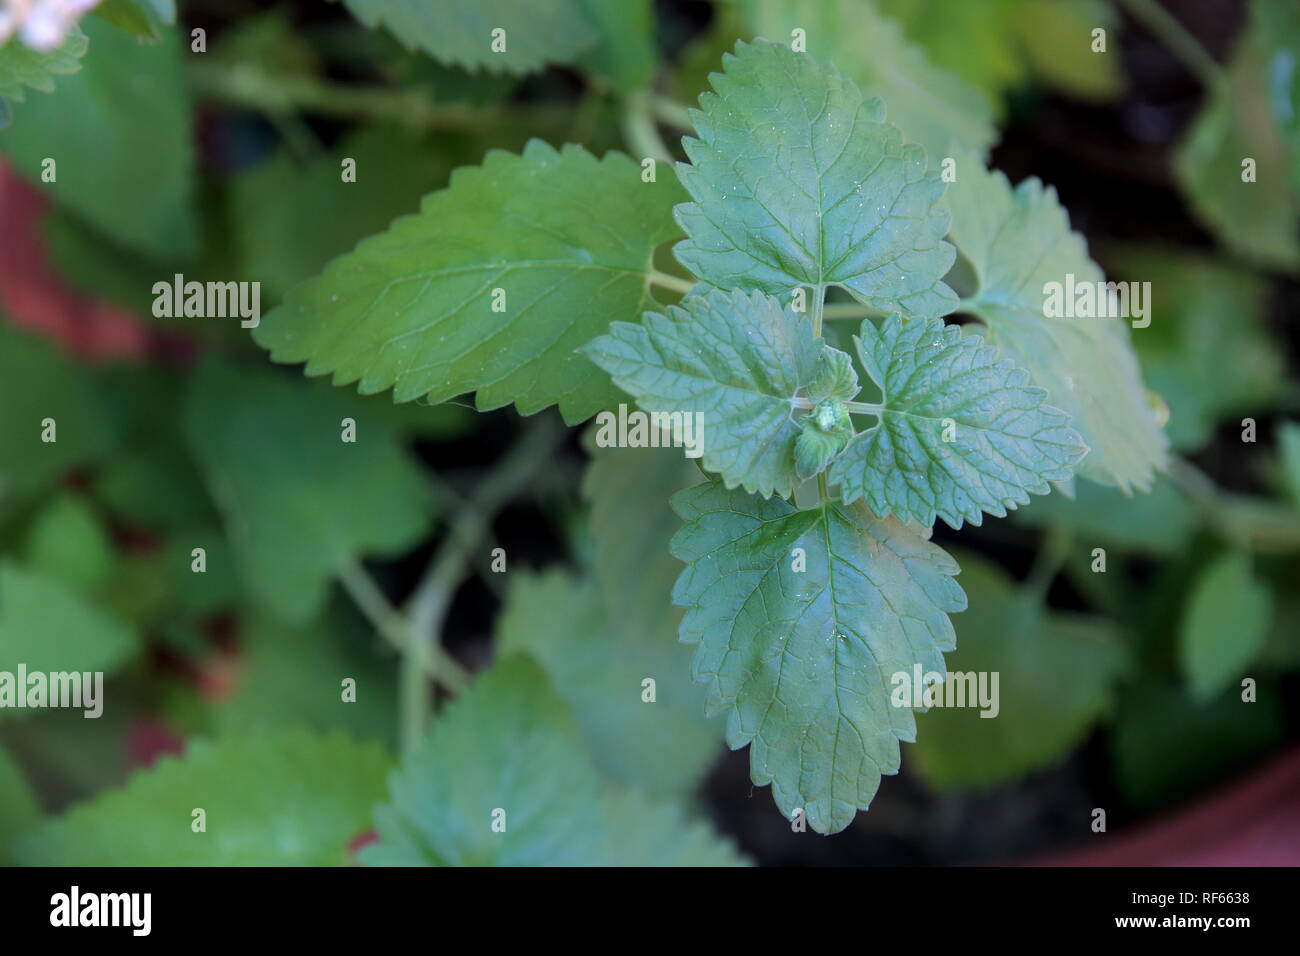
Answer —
960 430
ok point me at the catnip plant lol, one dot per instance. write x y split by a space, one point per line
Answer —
442 425
809 578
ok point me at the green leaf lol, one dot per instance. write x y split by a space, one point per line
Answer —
297 500
662 834
143 19
836 380
1056 676
631 564
1289 443
698 58
214 590
508 746
799 181
976 41
1159 522
88 261
48 627
83 756
1056 39
286 798
19 810
998 45
1238 122
662 747
734 361
961 430
802 659
822 436
272 44
22 67
151 481
1188 344
1281 651
290 219
1019 241
567 238
634 574
157 593
38 383
1167 748
1280 23
625 52
1224 626
294 676
68 542
121 136
461 31
453 84
929 104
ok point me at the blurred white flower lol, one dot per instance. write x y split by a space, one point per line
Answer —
40 24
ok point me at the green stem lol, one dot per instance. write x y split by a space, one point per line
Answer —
853 408
1255 523
277 95
427 608
672 283
412 633
818 309
392 625
453 501
297 135
850 310
640 131
1052 552
370 600
396 629
671 113
863 408
414 691
1178 39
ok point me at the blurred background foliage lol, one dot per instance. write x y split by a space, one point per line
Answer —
1119 689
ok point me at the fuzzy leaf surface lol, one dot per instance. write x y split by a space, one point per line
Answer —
799 181
801 660
285 798
508 751
1019 241
596 662
566 237
932 106
1006 441
460 32
738 360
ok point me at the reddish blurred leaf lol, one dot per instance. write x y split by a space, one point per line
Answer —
34 297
